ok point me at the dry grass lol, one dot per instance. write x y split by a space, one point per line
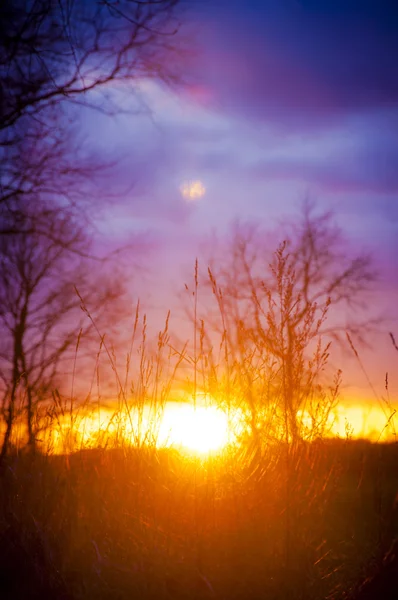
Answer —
153 524
284 514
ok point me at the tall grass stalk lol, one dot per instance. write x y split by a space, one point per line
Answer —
282 512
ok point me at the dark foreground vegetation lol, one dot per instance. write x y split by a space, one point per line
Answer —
130 523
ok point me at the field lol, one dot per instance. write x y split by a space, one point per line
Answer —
144 523
100 509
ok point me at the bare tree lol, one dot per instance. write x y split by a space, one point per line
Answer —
45 172
55 57
52 51
278 314
39 312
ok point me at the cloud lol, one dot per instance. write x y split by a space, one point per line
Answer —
306 65
368 171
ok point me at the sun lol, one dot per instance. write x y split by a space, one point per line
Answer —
201 430
192 190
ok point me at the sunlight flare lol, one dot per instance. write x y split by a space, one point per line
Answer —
192 190
201 429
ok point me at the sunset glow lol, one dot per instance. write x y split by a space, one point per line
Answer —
204 429
200 430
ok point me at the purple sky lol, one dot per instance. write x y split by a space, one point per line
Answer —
284 98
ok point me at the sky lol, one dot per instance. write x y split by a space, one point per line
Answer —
281 99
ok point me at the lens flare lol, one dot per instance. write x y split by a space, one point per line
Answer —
192 190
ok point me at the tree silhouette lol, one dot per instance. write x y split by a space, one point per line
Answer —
279 315
56 51
40 315
55 57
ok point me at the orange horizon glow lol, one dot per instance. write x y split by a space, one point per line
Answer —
200 430
204 430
